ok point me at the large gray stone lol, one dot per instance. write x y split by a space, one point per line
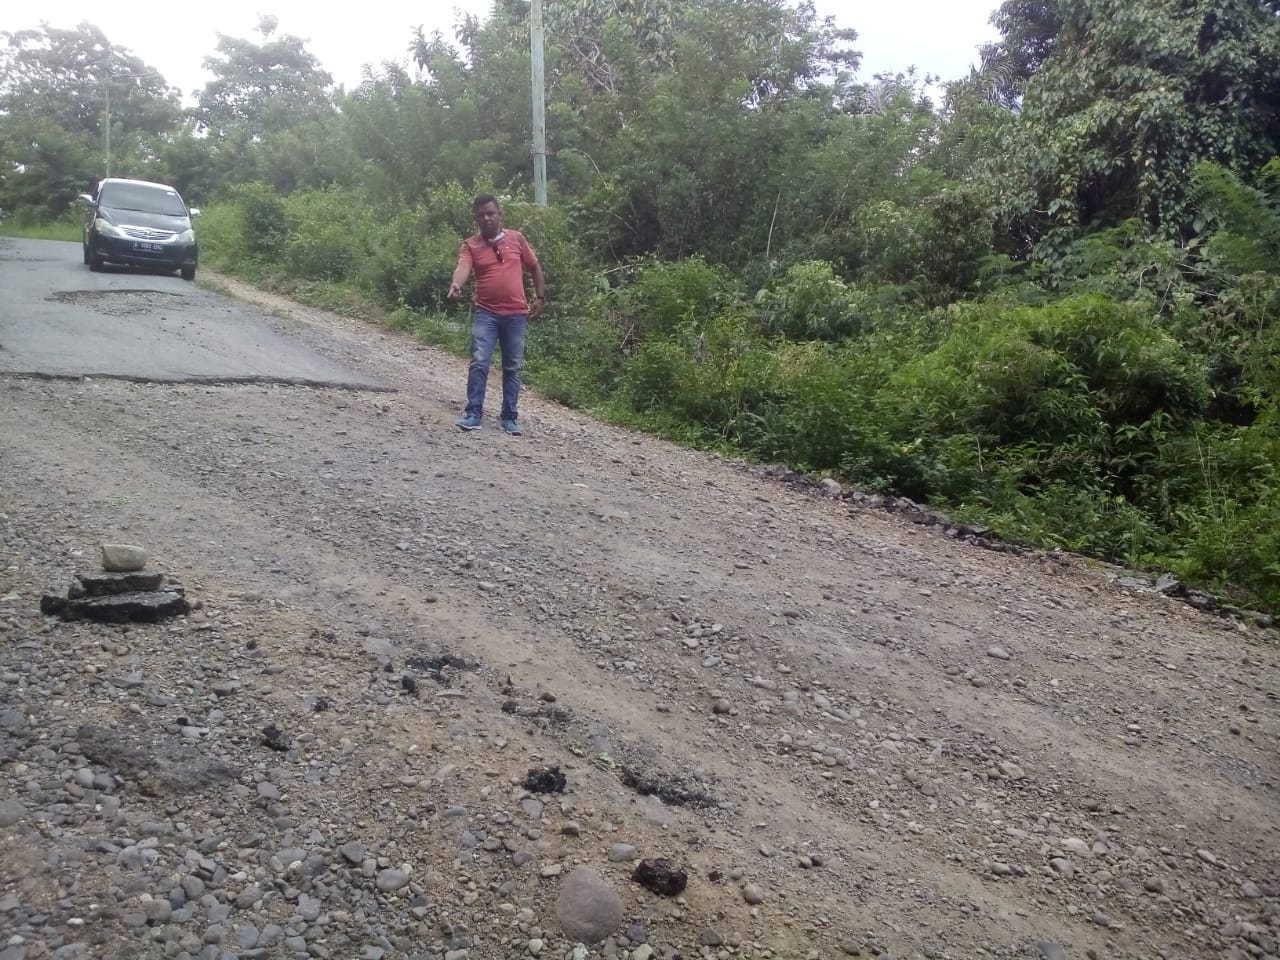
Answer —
11 811
588 909
391 880
123 557
353 852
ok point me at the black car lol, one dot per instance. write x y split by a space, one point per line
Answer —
140 223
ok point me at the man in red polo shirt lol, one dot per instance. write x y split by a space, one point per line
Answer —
499 259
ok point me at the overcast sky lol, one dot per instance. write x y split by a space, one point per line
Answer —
936 36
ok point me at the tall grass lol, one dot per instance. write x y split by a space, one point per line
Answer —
42 231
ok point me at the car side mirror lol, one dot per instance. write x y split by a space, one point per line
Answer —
84 200
194 212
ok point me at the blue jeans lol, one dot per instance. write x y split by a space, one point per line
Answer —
507 332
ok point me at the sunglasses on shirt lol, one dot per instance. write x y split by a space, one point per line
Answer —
497 251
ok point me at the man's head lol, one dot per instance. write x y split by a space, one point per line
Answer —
487 215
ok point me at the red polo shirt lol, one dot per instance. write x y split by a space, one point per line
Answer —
499 282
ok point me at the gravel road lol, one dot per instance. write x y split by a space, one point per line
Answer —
856 736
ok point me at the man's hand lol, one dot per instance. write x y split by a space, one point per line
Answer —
536 308
455 291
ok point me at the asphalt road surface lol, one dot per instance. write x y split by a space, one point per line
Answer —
58 319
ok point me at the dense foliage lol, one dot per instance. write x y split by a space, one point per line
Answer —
1048 304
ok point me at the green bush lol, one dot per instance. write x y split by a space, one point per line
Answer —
736 375
261 225
659 375
1125 265
1064 372
415 249
70 227
714 376
988 380
574 355
248 227
659 297
1235 551
823 414
1082 518
1224 518
412 261
331 232
219 232
932 245
572 275
1132 366
809 302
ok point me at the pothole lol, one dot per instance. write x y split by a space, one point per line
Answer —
117 303
439 668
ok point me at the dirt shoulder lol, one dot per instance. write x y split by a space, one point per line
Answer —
901 744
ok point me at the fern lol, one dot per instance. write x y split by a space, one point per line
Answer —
1244 221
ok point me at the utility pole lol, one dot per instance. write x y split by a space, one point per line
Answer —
107 127
539 106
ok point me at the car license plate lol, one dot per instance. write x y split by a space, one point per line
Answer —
148 247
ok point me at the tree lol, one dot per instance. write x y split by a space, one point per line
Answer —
1029 35
262 88
694 158
54 89
603 43
1126 99
265 100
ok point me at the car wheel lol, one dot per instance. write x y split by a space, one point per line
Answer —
96 262
86 253
189 272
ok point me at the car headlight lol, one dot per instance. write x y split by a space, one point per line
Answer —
107 228
186 236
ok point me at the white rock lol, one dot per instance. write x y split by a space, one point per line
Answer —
123 557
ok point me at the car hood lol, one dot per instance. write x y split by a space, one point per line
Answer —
137 218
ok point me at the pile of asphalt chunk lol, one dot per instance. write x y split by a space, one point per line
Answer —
122 592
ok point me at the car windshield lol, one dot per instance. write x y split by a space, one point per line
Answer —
143 199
